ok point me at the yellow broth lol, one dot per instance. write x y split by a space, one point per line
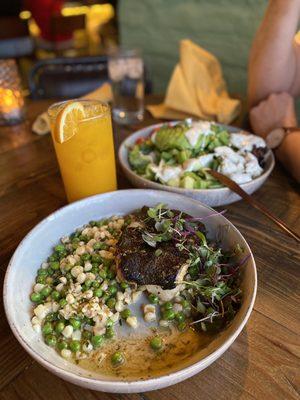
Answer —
141 361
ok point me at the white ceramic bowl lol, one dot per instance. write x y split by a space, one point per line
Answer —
37 245
212 197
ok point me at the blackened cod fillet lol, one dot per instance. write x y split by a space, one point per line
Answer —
137 261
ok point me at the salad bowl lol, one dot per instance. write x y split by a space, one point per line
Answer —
214 197
37 245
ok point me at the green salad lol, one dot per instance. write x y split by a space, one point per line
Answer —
181 155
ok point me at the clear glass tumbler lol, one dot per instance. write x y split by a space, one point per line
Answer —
87 159
126 72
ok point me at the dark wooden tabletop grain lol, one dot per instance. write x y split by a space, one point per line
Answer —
263 363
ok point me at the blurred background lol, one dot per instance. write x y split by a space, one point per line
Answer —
56 43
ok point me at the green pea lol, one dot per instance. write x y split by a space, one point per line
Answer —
111 274
102 274
186 304
96 258
111 231
109 323
182 326
35 297
117 358
83 238
95 270
109 334
88 283
180 317
111 302
55 295
54 265
76 323
40 279
97 340
105 297
53 257
63 292
47 328
59 327
84 288
62 344
124 285
51 317
69 276
112 290
88 321
68 267
50 340
98 292
167 305
96 284
42 272
100 246
153 298
46 291
63 302
169 315
85 257
59 248
125 313
86 335
74 346
107 262
156 343
50 271
75 244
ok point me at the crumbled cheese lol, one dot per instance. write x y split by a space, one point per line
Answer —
38 287
65 353
132 321
149 317
75 271
67 332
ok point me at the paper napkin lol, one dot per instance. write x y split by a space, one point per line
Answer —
197 88
41 125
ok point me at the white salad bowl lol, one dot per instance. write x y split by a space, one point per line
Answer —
212 197
37 245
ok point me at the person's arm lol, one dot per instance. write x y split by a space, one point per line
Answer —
274 58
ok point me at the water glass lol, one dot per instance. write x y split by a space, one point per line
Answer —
126 72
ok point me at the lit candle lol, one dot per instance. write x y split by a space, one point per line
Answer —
11 99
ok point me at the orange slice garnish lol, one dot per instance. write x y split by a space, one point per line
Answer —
67 121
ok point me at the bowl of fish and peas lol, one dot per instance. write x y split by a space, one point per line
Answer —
175 157
130 291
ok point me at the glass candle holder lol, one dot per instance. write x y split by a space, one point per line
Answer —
11 99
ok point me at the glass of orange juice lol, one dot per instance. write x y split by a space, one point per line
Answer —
83 140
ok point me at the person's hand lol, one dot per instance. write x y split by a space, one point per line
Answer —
277 111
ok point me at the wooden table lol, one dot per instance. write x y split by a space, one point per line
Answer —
263 363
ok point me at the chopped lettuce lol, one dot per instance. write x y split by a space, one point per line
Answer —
180 155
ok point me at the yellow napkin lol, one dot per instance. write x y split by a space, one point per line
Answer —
41 125
197 88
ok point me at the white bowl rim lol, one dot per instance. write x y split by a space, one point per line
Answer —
135 385
125 164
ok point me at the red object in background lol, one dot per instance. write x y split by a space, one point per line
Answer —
42 12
